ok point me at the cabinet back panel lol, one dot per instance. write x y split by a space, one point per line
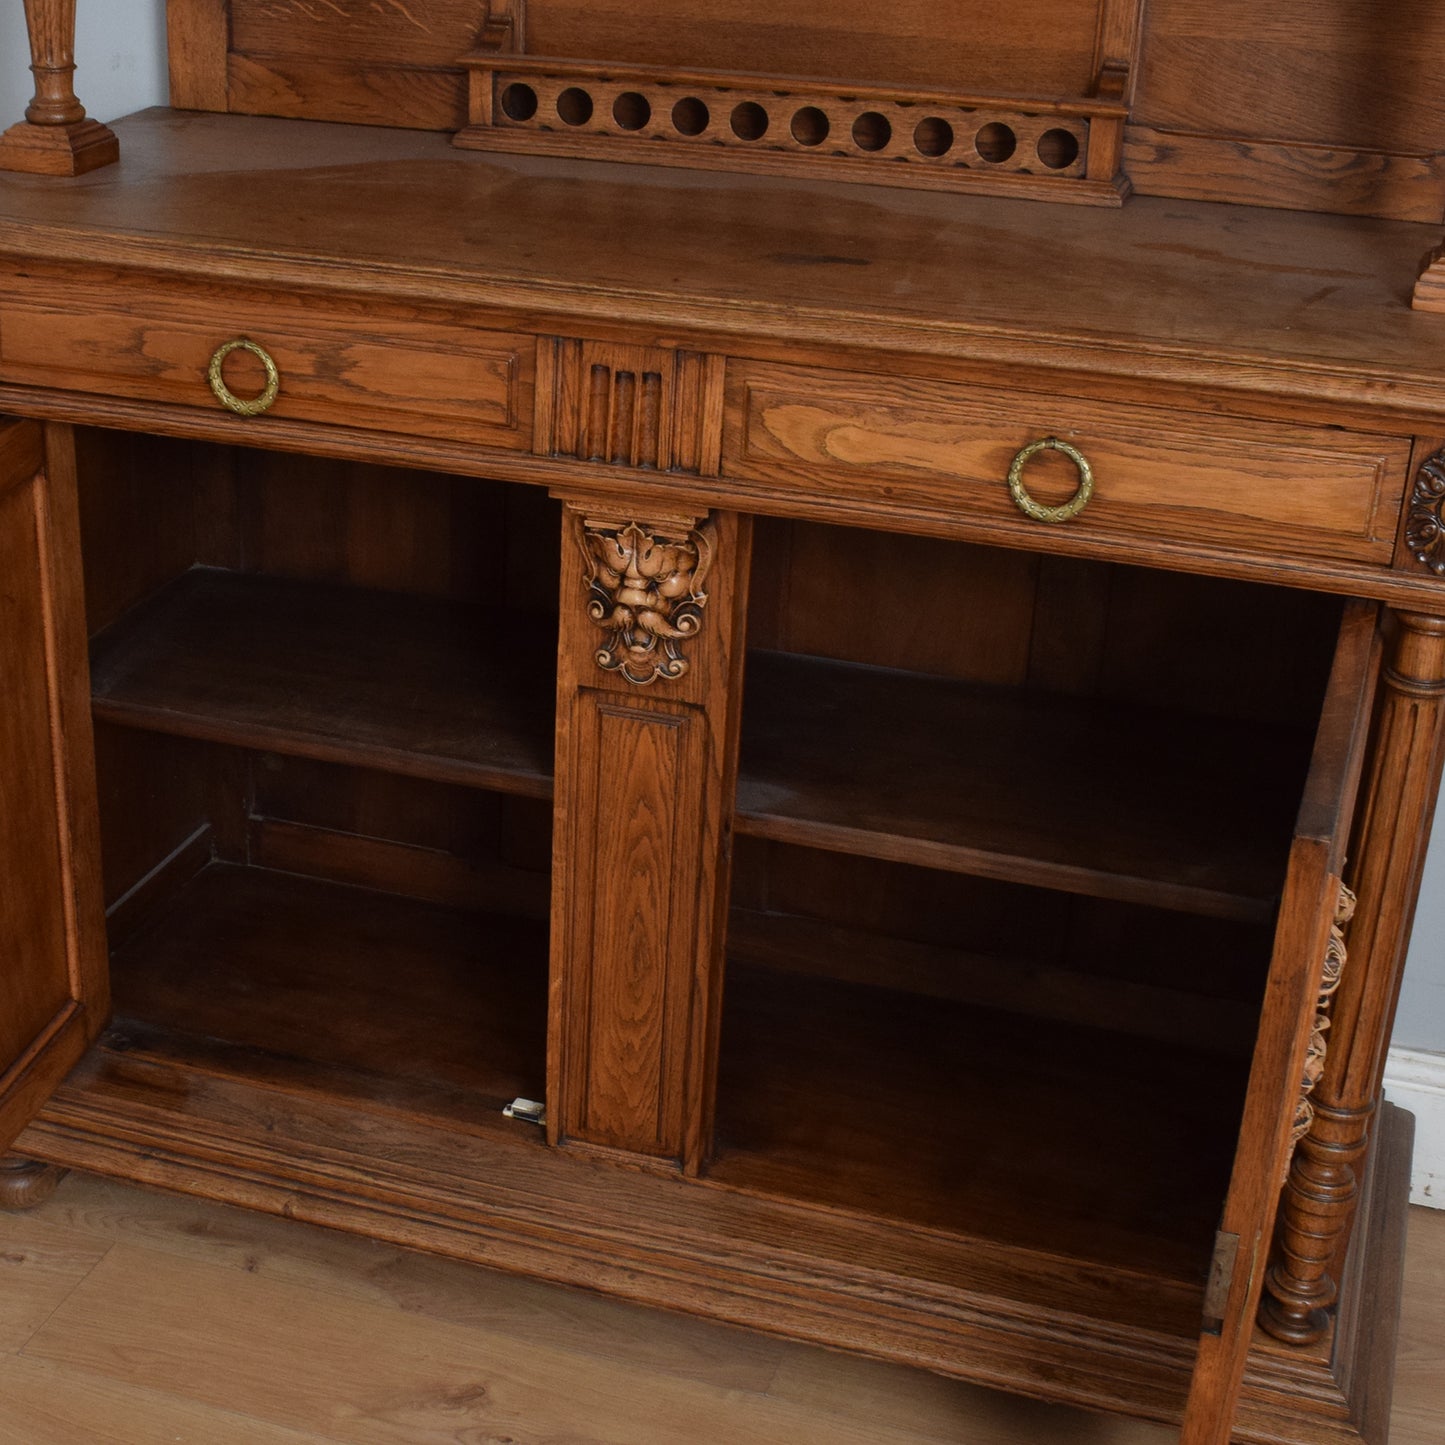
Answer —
157 794
1344 72
140 498
1086 629
1309 104
152 507
413 812
1011 924
395 530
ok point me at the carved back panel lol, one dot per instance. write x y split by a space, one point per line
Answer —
1307 104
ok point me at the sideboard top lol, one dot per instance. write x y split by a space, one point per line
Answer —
1278 303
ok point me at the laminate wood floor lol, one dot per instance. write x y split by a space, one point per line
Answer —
132 1318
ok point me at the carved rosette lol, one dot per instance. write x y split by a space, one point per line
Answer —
1425 522
645 590
1336 955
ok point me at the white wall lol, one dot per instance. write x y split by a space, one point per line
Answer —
120 57
120 67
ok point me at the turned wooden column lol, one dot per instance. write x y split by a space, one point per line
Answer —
1322 1190
56 138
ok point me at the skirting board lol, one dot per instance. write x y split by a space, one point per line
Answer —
1415 1080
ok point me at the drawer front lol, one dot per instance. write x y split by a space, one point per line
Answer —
341 363
935 447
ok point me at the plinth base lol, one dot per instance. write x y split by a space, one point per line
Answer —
1337 1391
58 150
1430 288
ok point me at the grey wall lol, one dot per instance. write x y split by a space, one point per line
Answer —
1420 1023
119 56
120 59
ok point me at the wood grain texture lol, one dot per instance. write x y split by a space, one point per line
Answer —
319 671
951 775
53 989
101 1213
940 140
41 1261
339 1368
1300 1405
1220 481
198 34
1254 383
1342 74
57 1406
26 1183
1263 303
1048 1325
452 381
645 779
1399 797
421 1002
629 405
820 1093
1348 181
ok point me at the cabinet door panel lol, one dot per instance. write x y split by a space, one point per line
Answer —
52 975
1308 909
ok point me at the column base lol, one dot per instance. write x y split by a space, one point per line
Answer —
58 150
1429 294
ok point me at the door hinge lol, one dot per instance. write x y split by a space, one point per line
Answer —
1221 1278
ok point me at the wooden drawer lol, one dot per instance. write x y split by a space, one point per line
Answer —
341 362
939 448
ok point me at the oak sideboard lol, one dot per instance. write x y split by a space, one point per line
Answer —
844 750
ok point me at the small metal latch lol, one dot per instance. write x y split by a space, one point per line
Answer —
1221 1277
528 1110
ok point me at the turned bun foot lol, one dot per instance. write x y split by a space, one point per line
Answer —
26 1183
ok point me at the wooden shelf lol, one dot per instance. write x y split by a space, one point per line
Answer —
332 990
1134 804
939 1114
405 684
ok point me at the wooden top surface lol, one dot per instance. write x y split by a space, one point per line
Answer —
1289 304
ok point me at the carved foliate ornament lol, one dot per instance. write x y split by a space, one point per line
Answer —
1425 523
1318 1047
645 590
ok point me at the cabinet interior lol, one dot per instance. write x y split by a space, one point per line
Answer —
1013 831
1010 830
324 709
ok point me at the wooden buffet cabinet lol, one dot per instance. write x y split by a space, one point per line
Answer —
975 875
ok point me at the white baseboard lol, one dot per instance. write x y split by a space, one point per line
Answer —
1415 1080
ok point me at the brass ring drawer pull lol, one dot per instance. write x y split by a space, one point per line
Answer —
1037 510
228 398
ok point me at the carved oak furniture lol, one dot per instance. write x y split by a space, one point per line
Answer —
899 722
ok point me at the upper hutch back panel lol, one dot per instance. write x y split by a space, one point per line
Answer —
1327 105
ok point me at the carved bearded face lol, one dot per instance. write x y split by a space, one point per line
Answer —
645 575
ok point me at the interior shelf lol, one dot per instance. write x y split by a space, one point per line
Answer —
431 688
335 990
1128 803
939 1114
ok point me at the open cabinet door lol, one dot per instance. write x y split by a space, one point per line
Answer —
1302 940
53 987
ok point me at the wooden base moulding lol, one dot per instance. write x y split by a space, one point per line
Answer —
58 150
1009 1318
